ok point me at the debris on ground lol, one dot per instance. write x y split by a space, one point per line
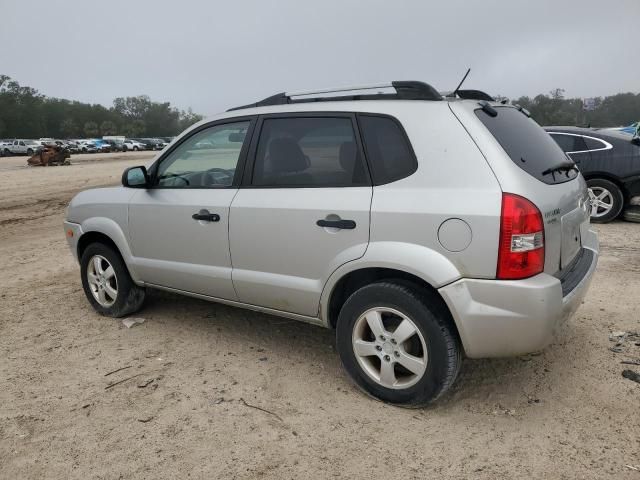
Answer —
631 375
130 322
623 340
117 370
146 383
243 401
49 155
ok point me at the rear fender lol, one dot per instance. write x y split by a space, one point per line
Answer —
429 265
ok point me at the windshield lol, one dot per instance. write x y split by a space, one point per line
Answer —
528 145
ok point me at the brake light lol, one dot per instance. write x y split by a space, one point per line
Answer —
521 249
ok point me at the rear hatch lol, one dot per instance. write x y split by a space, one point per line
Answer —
527 162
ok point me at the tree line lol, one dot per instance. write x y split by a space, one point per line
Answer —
555 109
26 113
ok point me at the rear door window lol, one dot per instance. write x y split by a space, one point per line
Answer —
308 152
387 147
527 144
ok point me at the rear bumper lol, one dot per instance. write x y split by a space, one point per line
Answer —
497 318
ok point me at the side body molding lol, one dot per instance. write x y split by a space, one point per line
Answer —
425 263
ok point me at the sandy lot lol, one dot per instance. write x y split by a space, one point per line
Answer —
200 368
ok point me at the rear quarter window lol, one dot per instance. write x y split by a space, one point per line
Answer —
387 147
527 144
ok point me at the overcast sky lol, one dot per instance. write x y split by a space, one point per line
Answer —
210 55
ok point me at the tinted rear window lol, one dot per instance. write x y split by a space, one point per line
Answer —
308 152
527 144
387 147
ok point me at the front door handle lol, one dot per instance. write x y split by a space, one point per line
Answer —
205 216
341 224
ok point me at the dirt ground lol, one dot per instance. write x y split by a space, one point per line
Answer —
220 392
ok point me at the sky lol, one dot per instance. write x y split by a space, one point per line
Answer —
211 55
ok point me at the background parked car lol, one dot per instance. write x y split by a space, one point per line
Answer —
631 129
102 145
116 145
4 147
134 145
609 161
23 147
149 143
88 146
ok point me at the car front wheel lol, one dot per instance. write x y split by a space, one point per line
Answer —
398 343
107 283
606 199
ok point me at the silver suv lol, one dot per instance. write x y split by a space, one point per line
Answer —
418 227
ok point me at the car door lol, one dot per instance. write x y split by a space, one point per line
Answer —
179 227
302 212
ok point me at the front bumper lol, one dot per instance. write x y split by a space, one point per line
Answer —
499 318
73 232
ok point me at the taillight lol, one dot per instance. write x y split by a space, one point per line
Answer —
521 250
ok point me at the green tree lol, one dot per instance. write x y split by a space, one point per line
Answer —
90 129
135 128
68 128
108 128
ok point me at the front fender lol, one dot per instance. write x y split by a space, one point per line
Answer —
425 263
111 229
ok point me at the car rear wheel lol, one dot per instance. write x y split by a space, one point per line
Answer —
107 283
606 199
29 152
398 343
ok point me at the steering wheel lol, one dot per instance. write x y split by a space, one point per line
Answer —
175 176
210 177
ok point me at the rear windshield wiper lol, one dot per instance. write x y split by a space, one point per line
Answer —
561 167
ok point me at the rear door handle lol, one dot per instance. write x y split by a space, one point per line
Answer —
341 224
205 216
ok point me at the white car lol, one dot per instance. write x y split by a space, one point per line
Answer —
23 147
129 144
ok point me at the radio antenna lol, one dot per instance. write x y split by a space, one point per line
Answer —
461 82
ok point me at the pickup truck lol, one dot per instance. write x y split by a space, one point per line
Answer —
22 147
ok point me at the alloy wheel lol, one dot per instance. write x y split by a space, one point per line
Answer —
102 280
390 348
601 201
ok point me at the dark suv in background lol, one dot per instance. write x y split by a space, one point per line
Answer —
610 162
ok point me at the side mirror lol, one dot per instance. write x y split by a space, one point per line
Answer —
135 177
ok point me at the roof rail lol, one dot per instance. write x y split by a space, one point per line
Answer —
470 95
396 90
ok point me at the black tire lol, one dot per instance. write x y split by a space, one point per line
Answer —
616 195
29 152
135 149
129 298
632 214
433 320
